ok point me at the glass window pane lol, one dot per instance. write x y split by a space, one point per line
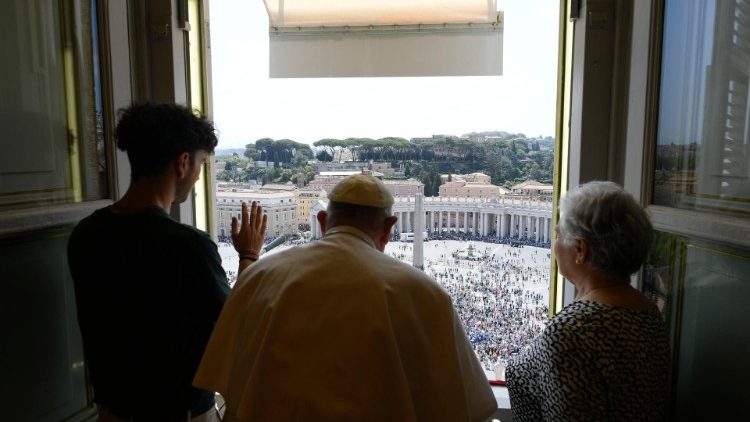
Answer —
703 151
705 289
50 104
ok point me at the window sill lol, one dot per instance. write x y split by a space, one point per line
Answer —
501 393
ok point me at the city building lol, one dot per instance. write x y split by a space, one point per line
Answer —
280 206
503 217
249 185
474 185
326 180
329 166
279 187
404 187
306 198
385 169
436 138
533 188
471 178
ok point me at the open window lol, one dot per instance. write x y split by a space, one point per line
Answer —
282 99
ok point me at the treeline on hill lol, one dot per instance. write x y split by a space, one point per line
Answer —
506 161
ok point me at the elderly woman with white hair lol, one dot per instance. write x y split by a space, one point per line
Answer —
604 357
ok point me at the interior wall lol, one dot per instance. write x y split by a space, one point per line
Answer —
41 358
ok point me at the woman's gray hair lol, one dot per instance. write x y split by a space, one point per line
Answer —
616 228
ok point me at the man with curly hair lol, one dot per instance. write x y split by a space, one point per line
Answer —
150 289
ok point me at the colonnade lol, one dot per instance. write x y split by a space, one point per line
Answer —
516 218
518 224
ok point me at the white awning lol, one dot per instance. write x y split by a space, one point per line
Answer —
340 38
311 13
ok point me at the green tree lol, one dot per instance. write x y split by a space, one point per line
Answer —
427 173
407 169
251 152
309 174
301 156
284 176
266 148
535 172
332 146
324 156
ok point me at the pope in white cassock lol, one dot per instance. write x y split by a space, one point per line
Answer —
337 330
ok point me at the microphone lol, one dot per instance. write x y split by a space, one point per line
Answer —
274 243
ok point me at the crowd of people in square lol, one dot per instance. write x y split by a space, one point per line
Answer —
499 297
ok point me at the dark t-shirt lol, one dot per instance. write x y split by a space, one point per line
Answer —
149 291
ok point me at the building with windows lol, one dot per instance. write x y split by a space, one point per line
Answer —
504 217
385 169
533 188
475 185
469 178
404 187
249 185
280 206
326 180
306 198
279 187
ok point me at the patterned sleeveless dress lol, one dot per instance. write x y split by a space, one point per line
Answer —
593 362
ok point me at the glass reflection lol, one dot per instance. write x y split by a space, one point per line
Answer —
50 104
703 145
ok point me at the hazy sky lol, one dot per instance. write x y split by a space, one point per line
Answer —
248 105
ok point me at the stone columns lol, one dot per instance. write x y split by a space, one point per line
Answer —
418 259
538 229
314 228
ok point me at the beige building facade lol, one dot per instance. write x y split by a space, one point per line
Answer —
326 180
533 188
408 187
469 178
306 199
280 206
474 185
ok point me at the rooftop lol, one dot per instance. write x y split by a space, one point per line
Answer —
246 193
